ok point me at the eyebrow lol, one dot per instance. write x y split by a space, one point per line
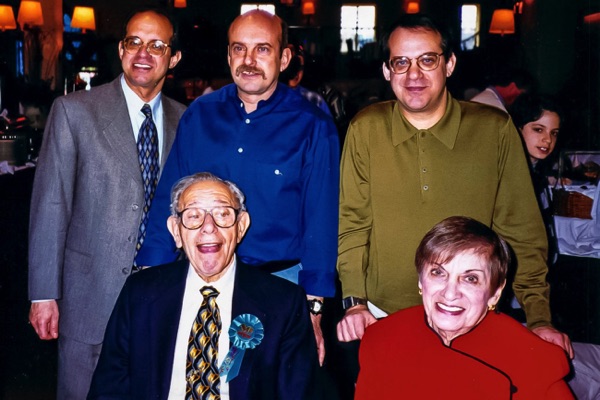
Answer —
256 45
464 272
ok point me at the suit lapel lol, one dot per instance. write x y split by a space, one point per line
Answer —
164 313
245 302
118 131
170 121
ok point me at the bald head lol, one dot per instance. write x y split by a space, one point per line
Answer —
263 18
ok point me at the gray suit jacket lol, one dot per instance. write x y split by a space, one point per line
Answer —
87 205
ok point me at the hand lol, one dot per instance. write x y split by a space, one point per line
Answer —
552 335
43 316
354 323
316 323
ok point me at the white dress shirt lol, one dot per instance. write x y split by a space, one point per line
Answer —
134 106
192 299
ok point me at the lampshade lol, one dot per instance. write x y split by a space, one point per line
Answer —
7 18
503 22
592 18
83 18
412 7
308 8
180 3
30 13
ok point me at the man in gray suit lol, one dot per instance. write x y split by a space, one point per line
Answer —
88 203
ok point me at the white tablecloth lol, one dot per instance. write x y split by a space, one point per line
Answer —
580 237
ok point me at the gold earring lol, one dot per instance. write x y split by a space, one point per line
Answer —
420 292
491 307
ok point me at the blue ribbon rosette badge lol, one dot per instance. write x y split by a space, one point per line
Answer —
246 332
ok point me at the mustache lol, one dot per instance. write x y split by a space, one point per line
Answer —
252 70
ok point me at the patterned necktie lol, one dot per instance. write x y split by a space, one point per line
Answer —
147 145
202 372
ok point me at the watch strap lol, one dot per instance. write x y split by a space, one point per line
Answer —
352 301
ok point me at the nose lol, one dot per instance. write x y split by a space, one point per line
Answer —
547 138
143 51
451 291
250 58
209 225
414 72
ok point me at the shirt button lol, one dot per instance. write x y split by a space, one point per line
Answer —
134 207
424 170
247 120
425 187
130 239
278 172
125 271
240 150
422 134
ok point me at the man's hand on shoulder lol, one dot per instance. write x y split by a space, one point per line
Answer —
43 316
552 335
354 323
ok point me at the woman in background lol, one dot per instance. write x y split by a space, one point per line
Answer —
538 119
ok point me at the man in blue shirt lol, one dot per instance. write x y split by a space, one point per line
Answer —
281 150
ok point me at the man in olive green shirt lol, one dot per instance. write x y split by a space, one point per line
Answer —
409 163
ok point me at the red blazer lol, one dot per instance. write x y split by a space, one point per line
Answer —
401 357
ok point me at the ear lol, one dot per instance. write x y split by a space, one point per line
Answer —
173 226
228 57
386 72
242 225
450 65
419 284
286 56
174 59
496 297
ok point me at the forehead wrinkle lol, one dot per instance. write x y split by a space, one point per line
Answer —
218 201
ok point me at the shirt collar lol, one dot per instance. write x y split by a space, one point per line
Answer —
445 130
267 105
133 100
222 284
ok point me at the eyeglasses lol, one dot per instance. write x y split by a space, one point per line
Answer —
156 48
427 62
193 218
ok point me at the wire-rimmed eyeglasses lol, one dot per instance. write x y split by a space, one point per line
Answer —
193 218
426 62
156 48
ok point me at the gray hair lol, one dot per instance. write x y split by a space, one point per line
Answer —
184 183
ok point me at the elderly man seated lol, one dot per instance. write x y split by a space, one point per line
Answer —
210 326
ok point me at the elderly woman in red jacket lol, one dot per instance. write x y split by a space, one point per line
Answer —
455 346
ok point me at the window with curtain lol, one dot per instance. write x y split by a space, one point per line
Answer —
469 26
270 8
357 27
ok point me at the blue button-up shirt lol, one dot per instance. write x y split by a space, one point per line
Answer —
285 158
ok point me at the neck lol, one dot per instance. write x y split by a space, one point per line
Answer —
425 120
146 94
251 100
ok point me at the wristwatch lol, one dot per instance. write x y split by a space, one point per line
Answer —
352 301
315 306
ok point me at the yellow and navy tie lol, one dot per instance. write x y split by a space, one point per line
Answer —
202 372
